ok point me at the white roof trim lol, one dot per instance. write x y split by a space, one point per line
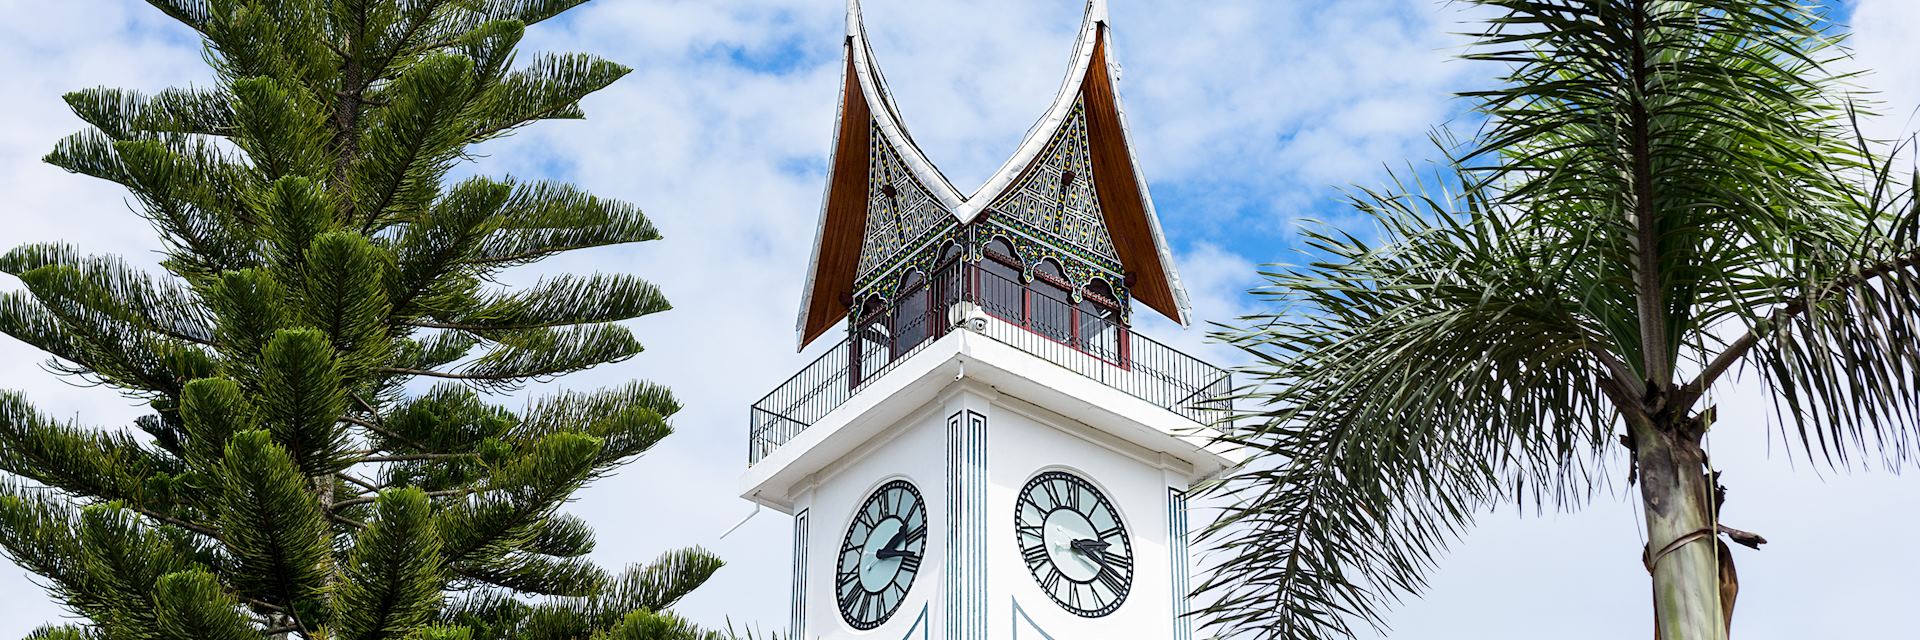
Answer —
1042 132
966 208
874 86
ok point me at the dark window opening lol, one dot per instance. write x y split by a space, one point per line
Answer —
1100 332
1050 308
912 316
1001 291
873 344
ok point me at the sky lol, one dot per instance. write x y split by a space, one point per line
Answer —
1250 116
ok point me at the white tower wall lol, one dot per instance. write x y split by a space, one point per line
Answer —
969 422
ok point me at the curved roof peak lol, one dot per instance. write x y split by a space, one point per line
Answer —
887 115
866 111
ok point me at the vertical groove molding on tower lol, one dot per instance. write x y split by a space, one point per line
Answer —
798 623
966 526
1178 554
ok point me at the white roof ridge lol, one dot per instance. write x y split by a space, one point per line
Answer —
892 126
880 103
1049 123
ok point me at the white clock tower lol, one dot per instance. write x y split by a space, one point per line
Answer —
990 451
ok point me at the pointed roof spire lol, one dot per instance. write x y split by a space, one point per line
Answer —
873 86
867 109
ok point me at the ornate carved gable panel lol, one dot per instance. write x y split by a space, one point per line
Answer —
1055 200
901 212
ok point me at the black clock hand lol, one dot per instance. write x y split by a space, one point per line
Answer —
891 549
1092 549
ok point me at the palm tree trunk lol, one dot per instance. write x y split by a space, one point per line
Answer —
1681 542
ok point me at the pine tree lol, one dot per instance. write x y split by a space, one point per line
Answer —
322 459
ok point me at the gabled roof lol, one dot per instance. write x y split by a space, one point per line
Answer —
866 108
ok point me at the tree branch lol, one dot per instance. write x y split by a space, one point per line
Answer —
1622 375
428 373
369 499
374 425
167 519
1739 348
357 481
417 457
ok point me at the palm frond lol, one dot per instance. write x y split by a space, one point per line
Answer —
1401 387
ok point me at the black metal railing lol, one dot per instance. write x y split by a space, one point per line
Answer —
1040 320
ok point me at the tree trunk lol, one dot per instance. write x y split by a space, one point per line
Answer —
1681 540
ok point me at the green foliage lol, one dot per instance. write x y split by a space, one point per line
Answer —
191 605
395 574
641 590
647 625
271 522
1664 190
62 633
316 261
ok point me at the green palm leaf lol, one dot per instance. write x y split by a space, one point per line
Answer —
1666 189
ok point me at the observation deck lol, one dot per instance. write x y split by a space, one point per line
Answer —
1086 338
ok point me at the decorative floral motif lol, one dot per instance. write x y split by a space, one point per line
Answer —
923 260
1052 212
1056 197
901 213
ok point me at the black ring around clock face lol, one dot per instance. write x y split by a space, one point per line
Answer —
881 555
1074 543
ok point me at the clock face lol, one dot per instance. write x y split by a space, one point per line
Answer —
1074 543
881 554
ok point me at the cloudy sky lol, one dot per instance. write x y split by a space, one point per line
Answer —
1250 114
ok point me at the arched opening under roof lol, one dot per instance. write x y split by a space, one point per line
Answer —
1097 325
1050 307
912 314
1001 287
872 344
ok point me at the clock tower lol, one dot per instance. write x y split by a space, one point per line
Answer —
988 451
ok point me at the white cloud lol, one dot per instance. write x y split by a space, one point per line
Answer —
1248 110
1883 43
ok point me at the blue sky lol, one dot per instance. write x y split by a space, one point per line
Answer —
1250 116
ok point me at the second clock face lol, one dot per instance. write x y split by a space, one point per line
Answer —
881 554
1074 543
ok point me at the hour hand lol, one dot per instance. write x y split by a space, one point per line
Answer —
893 543
892 548
1092 548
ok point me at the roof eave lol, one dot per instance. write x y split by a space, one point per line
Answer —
1182 302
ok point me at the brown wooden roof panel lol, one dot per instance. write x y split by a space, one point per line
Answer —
1122 201
844 219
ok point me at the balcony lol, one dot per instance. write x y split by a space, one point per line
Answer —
1085 338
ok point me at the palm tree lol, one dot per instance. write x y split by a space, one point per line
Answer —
1665 192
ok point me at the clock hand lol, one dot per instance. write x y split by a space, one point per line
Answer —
1093 549
892 549
893 543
